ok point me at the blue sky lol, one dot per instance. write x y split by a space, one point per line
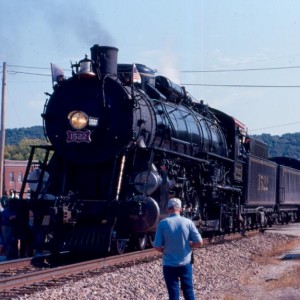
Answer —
171 36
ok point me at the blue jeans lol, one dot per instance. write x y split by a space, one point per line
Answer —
184 274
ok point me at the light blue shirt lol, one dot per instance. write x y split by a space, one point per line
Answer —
174 235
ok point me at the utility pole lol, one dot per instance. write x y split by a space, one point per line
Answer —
2 146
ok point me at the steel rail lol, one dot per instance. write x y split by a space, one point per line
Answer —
62 271
9 264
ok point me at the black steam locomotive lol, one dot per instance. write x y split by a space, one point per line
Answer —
123 141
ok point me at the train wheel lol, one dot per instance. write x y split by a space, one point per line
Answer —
120 245
151 239
138 242
142 242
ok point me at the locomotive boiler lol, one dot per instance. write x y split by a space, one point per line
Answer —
122 141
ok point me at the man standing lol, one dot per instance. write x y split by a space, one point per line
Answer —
8 217
175 236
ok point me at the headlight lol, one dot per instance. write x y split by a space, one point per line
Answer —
78 119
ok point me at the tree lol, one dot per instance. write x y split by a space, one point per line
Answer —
21 151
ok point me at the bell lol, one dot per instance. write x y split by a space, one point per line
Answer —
85 68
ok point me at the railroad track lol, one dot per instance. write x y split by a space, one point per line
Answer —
51 276
14 264
35 279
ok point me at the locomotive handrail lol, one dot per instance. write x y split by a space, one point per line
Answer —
220 157
48 148
182 141
27 172
200 160
43 117
168 117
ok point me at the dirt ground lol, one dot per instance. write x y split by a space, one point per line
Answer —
277 279
269 283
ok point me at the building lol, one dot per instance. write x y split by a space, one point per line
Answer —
13 174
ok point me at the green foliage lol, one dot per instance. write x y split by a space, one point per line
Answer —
22 150
18 141
285 145
14 136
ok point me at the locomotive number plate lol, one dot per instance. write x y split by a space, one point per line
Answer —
78 136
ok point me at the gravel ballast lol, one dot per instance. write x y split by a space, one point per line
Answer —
217 272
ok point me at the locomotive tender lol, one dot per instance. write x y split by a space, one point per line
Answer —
120 147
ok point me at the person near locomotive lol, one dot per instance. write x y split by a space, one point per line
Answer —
174 238
8 224
3 203
21 229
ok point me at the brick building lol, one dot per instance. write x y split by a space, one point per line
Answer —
13 172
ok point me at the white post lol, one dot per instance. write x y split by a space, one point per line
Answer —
2 147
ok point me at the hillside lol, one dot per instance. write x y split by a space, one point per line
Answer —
14 136
285 145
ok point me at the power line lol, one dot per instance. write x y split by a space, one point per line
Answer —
27 73
242 85
270 127
28 67
37 68
240 70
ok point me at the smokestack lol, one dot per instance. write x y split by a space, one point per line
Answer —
105 58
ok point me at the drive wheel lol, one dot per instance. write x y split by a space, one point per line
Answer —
151 239
120 246
142 242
